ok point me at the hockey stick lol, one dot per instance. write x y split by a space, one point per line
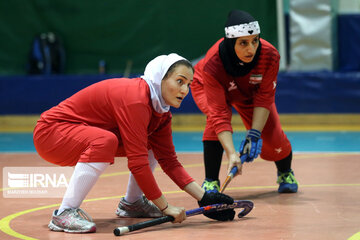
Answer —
245 204
232 174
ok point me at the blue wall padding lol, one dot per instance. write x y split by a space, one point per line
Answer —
312 92
35 94
318 92
348 42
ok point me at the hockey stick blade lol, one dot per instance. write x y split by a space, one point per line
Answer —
247 207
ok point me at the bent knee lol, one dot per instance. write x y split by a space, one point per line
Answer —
108 141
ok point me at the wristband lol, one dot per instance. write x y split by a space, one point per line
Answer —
167 205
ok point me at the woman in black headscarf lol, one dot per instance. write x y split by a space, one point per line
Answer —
240 71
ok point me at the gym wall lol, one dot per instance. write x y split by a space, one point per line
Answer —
126 34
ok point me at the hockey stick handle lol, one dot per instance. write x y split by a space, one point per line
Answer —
247 205
137 226
235 169
232 173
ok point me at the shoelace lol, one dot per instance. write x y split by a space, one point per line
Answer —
287 178
148 206
83 214
211 185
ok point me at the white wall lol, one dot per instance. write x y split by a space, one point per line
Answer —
311 35
349 6
343 6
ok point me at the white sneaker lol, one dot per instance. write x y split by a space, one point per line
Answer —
73 221
142 208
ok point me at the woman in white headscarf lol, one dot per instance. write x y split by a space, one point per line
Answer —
121 117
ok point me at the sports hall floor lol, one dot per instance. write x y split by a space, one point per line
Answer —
327 206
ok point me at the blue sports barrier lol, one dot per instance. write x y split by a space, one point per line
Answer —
309 92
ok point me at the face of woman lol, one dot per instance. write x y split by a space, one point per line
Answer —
176 86
245 47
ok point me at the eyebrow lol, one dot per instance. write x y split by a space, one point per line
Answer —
191 80
182 76
250 39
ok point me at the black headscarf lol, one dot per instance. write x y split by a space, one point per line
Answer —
232 64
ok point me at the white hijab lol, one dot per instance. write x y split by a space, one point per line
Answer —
154 73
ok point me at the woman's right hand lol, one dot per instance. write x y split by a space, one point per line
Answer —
234 160
177 212
227 143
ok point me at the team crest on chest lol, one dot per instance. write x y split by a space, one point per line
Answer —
232 86
255 78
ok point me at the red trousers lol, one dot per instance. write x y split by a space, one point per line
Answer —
276 145
65 144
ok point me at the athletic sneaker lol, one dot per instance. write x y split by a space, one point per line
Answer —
142 208
72 221
287 181
210 185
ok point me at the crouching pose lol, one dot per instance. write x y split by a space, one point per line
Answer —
121 117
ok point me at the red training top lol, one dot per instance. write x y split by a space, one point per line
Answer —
124 106
256 89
